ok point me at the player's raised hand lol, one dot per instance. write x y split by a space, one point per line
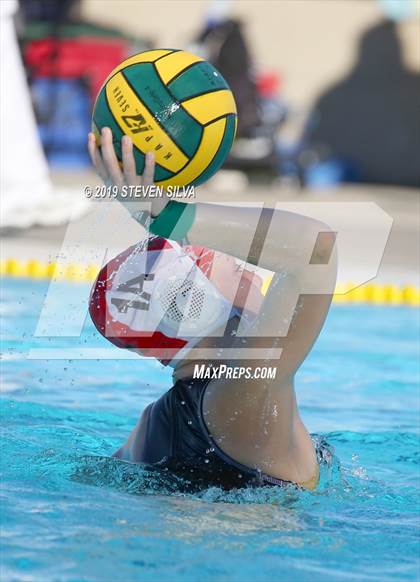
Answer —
113 173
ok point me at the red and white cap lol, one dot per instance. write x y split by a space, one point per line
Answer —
158 297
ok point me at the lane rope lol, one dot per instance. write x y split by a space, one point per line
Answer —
370 293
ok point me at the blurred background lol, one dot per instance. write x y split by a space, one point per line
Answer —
328 95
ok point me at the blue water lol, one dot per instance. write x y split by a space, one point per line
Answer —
69 513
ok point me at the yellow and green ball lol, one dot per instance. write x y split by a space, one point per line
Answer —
175 104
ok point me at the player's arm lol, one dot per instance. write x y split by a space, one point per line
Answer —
281 240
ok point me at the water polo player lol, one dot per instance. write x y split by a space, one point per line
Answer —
184 292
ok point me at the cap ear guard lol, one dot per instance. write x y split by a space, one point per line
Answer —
186 303
182 300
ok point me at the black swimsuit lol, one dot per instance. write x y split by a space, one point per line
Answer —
176 439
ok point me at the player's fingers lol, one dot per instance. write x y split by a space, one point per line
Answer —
109 157
129 164
149 169
96 157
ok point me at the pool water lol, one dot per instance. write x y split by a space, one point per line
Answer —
69 512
